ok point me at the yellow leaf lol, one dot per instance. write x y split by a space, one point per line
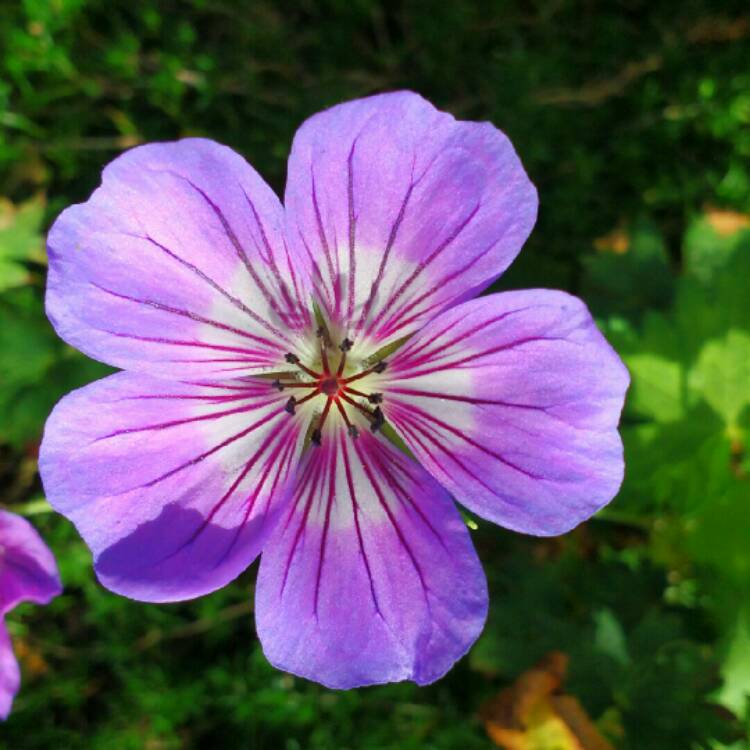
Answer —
727 223
531 714
617 241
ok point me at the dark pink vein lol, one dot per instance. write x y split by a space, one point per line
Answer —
241 254
407 356
427 417
394 321
480 354
322 238
223 444
447 242
357 526
207 279
403 496
313 481
187 420
225 497
384 505
326 524
186 314
386 255
265 354
352 231
467 399
271 258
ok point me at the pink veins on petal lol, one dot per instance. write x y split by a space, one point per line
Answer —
312 382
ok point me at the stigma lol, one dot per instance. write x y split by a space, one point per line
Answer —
334 390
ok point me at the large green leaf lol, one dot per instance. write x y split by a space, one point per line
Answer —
20 240
722 374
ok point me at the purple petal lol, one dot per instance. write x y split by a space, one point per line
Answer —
403 211
10 674
370 576
177 266
28 572
173 486
512 402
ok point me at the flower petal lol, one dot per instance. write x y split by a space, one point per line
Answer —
10 674
402 210
370 576
512 402
28 572
177 266
173 486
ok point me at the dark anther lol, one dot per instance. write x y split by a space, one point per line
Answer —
380 366
346 345
293 359
278 385
316 436
378 419
290 404
375 398
320 332
353 431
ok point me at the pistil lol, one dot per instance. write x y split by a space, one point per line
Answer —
334 387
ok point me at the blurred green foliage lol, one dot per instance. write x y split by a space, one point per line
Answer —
633 119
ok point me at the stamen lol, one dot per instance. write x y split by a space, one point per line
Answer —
373 398
334 387
322 333
350 428
324 354
293 359
293 402
361 408
317 434
308 397
379 420
342 363
379 367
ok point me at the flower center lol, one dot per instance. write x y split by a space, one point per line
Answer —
335 388
329 386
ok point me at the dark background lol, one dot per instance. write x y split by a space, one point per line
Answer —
633 120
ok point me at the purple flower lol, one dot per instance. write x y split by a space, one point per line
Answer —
310 381
27 574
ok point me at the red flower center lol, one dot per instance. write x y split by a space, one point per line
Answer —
336 389
329 386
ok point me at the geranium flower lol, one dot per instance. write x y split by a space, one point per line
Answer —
27 574
311 381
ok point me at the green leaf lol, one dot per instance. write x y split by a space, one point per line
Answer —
609 637
629 282
722 375
735 668
706 251
20 240
657 389
36 368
